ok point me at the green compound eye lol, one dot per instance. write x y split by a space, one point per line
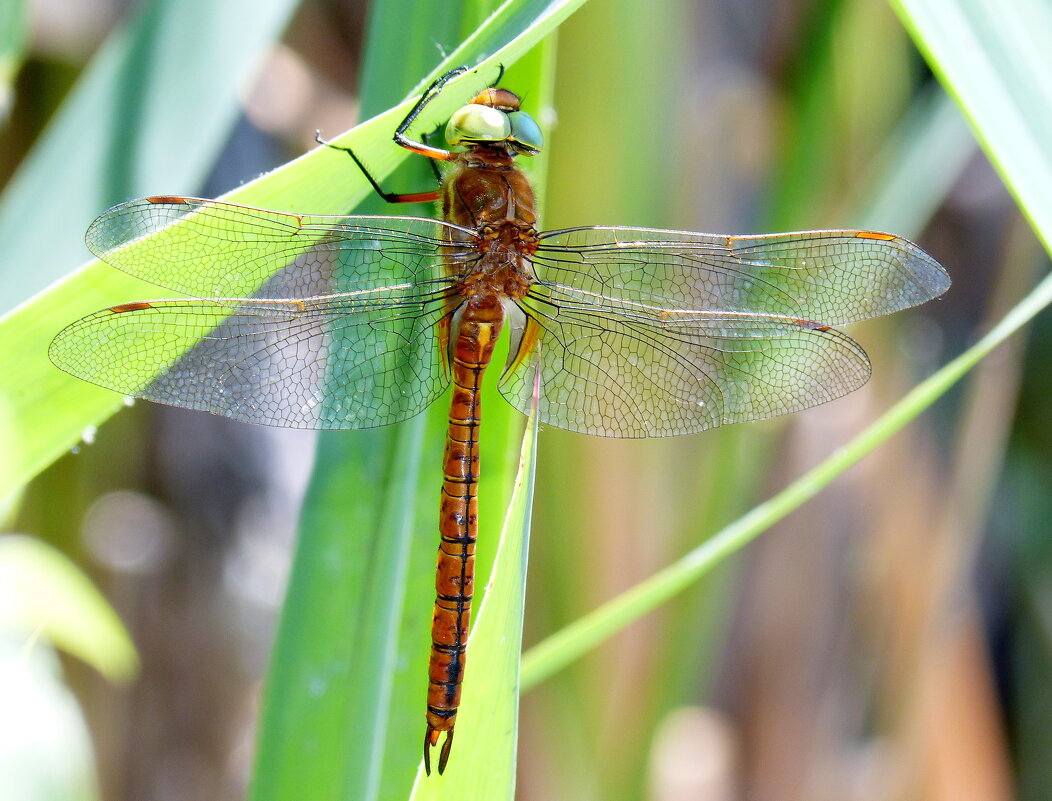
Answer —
525 133
475 123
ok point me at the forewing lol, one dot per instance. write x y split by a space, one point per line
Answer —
833 277
210 249
614 374
332 363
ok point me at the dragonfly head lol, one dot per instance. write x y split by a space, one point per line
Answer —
493 117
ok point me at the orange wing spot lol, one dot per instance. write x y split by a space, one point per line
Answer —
811 325
875 235
173 199
138 305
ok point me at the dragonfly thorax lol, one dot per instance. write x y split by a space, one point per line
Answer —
504 267
476 194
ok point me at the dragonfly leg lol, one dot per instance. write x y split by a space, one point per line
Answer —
390 197
422 148
433 162
430 94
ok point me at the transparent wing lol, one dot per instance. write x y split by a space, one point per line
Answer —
835 277
648 332
220 250
617 375
334 362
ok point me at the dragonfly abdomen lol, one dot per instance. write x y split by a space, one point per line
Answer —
479 327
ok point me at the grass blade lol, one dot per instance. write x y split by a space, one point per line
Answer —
562 648
995 59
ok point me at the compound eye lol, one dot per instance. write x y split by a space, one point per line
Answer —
525 133
475 123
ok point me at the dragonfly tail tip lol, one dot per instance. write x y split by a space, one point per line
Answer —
443 757
431 740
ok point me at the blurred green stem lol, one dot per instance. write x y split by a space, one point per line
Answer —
565 646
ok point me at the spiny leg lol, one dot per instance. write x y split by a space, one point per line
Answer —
421 148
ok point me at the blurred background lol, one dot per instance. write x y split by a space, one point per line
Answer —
890 640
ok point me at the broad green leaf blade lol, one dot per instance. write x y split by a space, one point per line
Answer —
363 565
42 593
482 764
53 409
363 737
995 59
339 648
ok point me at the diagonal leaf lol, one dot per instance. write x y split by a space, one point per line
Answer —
154 108
53 409
995 59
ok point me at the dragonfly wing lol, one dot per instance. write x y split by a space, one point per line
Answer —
834 277
210 249
326 364
615 375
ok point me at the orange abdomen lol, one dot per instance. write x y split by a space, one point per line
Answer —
458 520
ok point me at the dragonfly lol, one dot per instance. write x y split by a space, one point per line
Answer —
351 322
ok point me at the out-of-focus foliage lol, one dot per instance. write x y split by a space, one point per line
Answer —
892 635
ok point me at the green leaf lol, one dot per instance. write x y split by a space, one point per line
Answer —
42 593
995 59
